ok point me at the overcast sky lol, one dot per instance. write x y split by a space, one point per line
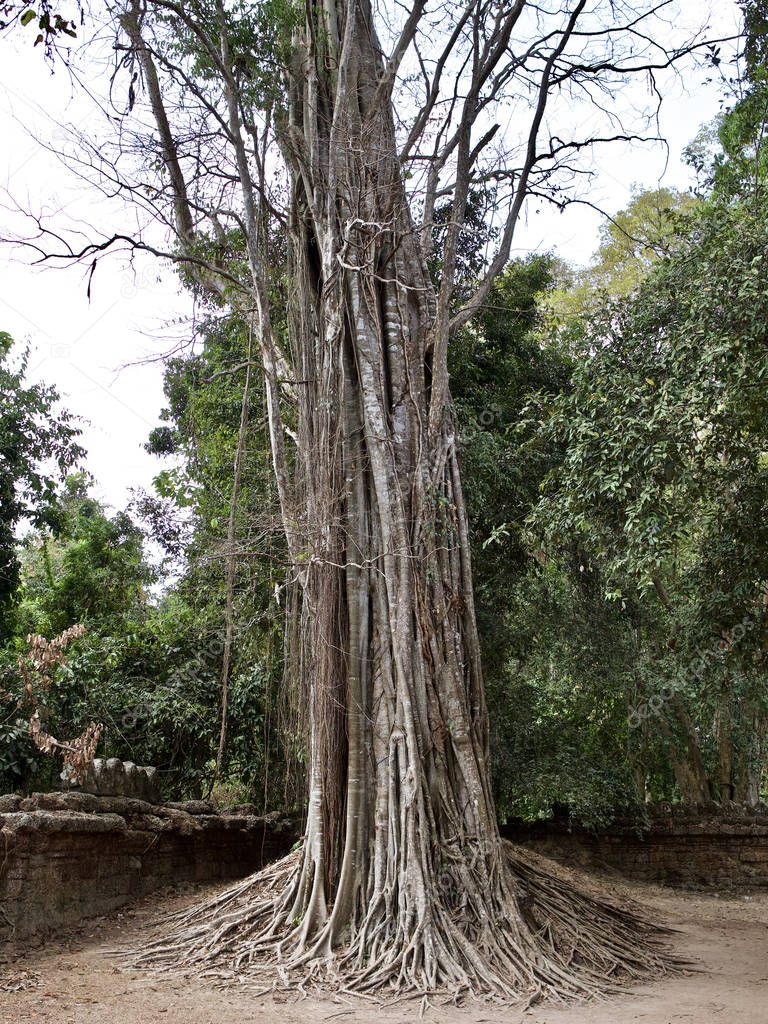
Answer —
83 346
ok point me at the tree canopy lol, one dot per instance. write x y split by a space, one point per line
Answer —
37 441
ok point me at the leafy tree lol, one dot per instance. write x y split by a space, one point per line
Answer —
36 442
557 655
86 567
663 482
631 243
729 155
80 567
275 117
207 425
147 668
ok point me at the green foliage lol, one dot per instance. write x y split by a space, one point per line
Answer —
668 409
148 670
663 482
560 731
204 392
740 167
631 243
88 566
37 445
557 656
149 666
658 487
472 244
494 364
558 723
51 25
619 502
259 37
737 167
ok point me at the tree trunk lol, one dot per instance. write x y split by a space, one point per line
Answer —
399 749
402 880
688 765
750 762
230 560
726 789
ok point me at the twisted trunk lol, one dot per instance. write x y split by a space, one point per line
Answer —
402 880
391 659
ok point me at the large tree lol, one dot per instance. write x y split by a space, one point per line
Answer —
663 476
37 443
363 141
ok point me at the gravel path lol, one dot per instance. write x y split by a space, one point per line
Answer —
75 982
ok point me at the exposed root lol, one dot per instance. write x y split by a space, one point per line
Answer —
546 938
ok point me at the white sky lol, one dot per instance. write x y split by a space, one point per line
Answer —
80 346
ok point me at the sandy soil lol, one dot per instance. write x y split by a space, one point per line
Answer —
75 982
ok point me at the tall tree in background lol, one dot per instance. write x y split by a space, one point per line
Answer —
35 444
273 119
233 544
663 479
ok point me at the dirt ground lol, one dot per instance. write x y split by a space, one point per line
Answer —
76 982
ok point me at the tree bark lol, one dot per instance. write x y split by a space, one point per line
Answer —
402 880
399 770
689 768
230 563
726 789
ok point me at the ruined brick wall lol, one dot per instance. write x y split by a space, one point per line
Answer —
67 856
696 848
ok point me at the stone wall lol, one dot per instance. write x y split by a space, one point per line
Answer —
695 848
68 856
113 777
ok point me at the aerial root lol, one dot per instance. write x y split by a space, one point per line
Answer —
541 935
